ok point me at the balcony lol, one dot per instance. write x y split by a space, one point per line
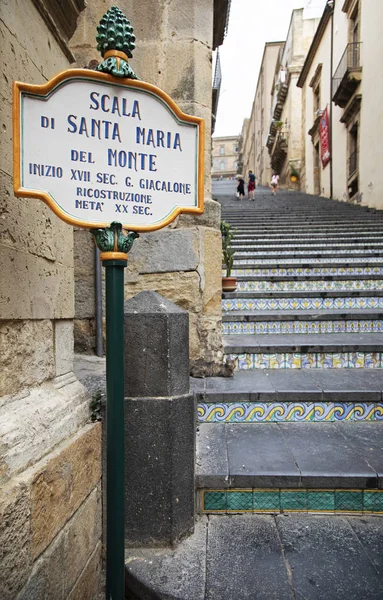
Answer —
348 75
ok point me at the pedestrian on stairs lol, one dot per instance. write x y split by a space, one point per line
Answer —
274 183
251 186
241 188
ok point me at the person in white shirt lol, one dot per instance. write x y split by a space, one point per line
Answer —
274 183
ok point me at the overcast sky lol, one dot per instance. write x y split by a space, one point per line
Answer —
252 23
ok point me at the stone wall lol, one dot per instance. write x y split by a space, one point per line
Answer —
49 456
183 261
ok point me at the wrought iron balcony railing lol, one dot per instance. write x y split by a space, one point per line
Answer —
342 84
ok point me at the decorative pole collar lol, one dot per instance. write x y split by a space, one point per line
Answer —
115 41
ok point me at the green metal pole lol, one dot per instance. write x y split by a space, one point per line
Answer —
114 244
115 460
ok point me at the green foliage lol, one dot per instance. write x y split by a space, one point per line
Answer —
278 124
294 171
227 251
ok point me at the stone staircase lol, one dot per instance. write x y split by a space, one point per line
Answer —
299 426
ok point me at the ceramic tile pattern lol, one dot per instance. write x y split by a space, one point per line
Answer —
281 327
309 271
311 360
341 303
306 500
303 286
283 412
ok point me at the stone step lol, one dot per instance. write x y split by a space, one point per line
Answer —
310 343
312 245
294 385
294 222
249 316
254 255
309 285
309 301
298 279
320 227
286 237
277 456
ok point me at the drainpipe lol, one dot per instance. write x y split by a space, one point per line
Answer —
98 293
331 7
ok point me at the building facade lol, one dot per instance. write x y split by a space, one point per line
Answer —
50 451
339 81
284 140
225 157
254 155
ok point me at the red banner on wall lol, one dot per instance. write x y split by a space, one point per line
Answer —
324 130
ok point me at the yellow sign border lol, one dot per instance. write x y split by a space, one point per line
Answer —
46 89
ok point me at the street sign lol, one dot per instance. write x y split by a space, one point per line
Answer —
99 150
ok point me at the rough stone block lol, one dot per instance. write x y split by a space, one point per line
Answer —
84 335
191 20
56 409
188 81
206 338
181 288
165 251
211 217
34 288
87 585
156 347
47 579
159 454
15 558
82 536
64 353
61 484
212 277
26 351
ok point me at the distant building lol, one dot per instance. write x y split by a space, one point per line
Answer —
225 157
284 141
349 95
253 150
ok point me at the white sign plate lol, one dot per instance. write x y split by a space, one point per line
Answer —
99 150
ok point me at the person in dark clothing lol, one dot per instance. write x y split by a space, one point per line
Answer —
251 186
241 188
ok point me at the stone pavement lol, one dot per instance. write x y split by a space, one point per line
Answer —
262 557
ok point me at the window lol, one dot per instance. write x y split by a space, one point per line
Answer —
235 164
222 165
317 101
353 149
222 150
235 147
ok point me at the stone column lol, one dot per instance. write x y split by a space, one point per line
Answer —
159 422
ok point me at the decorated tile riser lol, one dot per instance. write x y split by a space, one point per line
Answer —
313 260
293 500
300 303
280 272
299 286
315 360
286 412
264 327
